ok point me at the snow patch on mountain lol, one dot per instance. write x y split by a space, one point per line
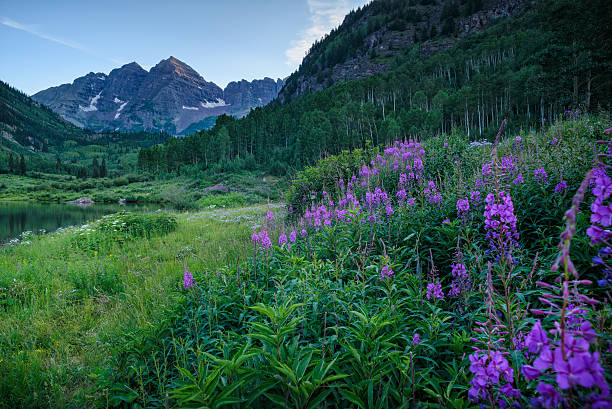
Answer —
120 109
92 104
191 108
219 103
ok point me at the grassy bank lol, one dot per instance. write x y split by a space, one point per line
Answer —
67 299
181 192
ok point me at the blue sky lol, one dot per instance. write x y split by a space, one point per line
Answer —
46 43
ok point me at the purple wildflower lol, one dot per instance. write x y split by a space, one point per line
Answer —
434 291
540 175
293 236
475 197
561 187
500 224
187 277
518 180
386 272
282 239
549 397
463 207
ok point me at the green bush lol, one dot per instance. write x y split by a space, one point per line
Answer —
122 227
223 200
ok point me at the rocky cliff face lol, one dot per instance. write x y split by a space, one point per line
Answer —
429 27
170 97
252 94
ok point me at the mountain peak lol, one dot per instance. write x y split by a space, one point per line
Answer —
133 65
173 64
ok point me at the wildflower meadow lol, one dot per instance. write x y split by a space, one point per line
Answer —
434 273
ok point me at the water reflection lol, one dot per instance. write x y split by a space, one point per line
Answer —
17 217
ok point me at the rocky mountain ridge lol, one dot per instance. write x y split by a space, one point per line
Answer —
169 97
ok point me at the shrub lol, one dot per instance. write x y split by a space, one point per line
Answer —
121 227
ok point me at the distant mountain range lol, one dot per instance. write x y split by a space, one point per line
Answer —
171 97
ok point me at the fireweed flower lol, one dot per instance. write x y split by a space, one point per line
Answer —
402 179
549 397
540 175
500 224
566 357
475 197
601 213
517 144
282 239
187 277
386 272
463 207
490 369
461 281
389 210
561 187
270 220
401 195
488 365
264 240
518 180
293 236
416 339
434 291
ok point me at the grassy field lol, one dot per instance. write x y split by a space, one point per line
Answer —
67 298
181 192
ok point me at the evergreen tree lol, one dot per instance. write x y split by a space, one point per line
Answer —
58 165
22 166
11 164
95 169
103 172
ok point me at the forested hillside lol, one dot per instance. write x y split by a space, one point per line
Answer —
34 138
550 60
370 38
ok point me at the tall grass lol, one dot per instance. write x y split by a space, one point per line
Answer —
65 305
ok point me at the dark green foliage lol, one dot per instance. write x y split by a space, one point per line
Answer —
22 166
123 227
528 69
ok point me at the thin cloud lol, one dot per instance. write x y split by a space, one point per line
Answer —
34 31
324 16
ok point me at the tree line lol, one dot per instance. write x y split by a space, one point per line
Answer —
529 69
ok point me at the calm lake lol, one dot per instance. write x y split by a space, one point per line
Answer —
17 217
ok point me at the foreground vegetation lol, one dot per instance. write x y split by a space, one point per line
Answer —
430 276
420 275
70 300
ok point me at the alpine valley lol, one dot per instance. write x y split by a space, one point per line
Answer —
172 97
419 216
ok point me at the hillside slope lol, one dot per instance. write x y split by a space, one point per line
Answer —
370 38
548 61
49 143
